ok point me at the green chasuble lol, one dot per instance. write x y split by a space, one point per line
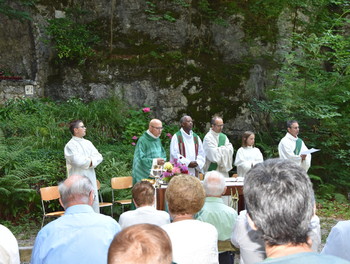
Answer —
147 149
298 145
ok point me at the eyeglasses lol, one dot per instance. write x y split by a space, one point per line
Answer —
81 126
158 128
219 125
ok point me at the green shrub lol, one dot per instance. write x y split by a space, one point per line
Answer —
72 40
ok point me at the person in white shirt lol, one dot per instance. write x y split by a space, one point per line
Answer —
291 146
247 155
193 241
337 243
186 146
9 252
217 148
82 157
143 194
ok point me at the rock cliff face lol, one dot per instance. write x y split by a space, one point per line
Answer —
170 55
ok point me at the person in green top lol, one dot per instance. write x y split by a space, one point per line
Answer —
215 212
148 152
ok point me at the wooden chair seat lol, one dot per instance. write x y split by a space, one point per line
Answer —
49 194
121 183
102 203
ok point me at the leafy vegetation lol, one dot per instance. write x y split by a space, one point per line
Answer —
313 86
34 132
14 13
72 38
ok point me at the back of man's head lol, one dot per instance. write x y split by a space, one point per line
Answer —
142 243
143 193
214 184
280 200
76 189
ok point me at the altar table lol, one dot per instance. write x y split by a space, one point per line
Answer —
233 187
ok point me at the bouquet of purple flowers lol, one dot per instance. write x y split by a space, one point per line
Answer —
172 168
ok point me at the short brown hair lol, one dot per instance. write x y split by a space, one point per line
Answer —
143 193
74 124
185 195
142 243
245 136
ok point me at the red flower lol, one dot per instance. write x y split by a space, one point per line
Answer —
146 109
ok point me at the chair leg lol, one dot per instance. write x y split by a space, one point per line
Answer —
42 222
112 211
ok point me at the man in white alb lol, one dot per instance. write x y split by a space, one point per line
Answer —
82 157
186 146
291 146
217 148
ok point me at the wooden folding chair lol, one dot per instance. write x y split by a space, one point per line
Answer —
120 183
49 194
102 203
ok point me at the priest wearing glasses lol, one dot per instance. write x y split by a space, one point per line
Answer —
82 157
148 152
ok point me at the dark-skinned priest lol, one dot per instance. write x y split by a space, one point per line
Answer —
148 152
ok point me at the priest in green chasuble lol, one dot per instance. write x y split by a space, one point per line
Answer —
148 152
291 146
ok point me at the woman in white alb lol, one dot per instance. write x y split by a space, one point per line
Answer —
247 155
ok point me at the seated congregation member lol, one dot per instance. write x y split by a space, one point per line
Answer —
193 241
249 241
338 241
80 235
218 214
141 243
143 196
247 155
9 253
251 244
280 204
315 233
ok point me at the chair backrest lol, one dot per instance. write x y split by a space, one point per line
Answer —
49 193
121 182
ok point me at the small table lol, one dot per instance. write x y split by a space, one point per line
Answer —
233 187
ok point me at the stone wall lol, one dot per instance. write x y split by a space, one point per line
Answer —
191 65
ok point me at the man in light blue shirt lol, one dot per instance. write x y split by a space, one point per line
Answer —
80 235
215 212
